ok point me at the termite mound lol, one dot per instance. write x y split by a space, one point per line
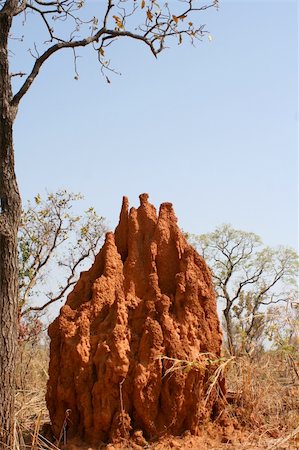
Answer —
132 347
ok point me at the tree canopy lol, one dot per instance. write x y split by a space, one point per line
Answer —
248 277
54 243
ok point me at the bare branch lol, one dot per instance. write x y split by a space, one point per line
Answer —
18 74
43 16
51 301
39 62
159 24
20 8
71 280
109 7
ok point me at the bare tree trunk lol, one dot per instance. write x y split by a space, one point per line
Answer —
229 331
10 211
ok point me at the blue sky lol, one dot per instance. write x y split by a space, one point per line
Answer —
213 129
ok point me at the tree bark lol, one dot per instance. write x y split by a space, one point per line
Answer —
10 212
229 331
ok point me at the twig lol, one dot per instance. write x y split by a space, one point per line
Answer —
18 74
64 428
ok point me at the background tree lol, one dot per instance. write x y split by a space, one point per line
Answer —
248 278
283 328
68 24
54 245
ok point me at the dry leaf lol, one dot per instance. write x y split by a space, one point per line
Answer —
149 15
118 21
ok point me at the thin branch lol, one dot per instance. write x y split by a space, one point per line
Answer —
75 64
18 74
50 302
37 264
109 7
70 282
42 13
251 280
40 61
53 3
62 45
273 302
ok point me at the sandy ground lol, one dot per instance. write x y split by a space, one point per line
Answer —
236 441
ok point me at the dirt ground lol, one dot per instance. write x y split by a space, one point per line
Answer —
231 441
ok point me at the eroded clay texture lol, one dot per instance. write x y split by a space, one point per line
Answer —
147 297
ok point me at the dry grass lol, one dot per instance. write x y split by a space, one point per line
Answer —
31 412
263 397
264 393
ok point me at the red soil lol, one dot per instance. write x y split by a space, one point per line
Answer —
147 296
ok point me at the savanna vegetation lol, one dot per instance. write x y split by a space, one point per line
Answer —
44 246
256 289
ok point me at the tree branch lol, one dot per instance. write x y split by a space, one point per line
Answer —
20 8
111 34
50 302
40 61
251 280
9 7
70 282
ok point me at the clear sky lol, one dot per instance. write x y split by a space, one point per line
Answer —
212 129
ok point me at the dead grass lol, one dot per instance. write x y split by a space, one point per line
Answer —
263 398
31 412
264 393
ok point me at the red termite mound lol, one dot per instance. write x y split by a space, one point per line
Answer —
121 346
